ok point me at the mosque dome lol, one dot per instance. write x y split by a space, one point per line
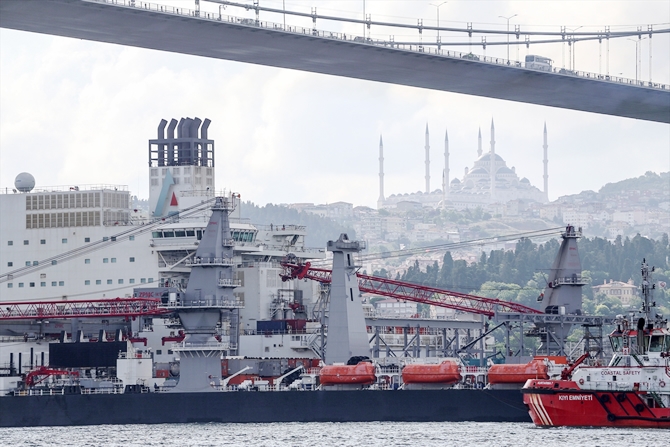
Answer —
487 157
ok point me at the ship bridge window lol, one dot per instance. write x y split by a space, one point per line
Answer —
156 234
168 233
190 233
180 233
199 234
656 344
616 343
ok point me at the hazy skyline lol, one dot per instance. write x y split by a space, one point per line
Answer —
76 112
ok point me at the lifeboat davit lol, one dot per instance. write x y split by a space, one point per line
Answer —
445 372
361 374
514 373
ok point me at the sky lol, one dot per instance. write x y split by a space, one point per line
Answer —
74 112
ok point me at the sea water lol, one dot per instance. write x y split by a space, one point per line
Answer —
354 434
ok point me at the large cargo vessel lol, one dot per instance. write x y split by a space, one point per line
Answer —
213 334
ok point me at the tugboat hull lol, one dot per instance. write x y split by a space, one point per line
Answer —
557 403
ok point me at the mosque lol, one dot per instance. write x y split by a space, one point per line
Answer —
487 183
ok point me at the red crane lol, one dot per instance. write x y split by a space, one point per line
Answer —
115 307
411 292
42 373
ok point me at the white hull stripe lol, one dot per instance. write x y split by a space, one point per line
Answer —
540 410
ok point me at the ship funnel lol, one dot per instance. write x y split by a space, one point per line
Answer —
161 129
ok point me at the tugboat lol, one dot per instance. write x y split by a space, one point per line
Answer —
632 391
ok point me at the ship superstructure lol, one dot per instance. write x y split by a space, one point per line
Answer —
86 242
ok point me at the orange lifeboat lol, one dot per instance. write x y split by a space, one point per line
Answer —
445 372
361 374
511 373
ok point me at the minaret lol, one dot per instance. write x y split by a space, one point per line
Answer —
380 201
427 162
493 162
546 165
479 143
445 174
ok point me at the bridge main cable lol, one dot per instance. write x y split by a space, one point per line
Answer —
314 16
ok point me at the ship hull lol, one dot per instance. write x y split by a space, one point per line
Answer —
244 407
571 407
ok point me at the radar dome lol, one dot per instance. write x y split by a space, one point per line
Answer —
24 182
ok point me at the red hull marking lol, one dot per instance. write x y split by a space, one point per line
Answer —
588 410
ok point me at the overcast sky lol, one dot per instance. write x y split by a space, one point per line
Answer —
75 112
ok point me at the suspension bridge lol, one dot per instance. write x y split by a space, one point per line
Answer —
418 63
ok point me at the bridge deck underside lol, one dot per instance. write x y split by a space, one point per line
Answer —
222 40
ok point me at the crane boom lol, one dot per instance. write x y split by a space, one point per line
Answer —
412 292
115 307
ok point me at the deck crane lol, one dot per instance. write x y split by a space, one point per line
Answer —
410 292
104 308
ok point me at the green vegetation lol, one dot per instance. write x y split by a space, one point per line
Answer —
520 275
650 182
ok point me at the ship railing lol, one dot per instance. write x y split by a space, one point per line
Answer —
227 304
474 370
186 346
211 261
284 332
604 385
274 227
225 282
49 392
576 280
110 390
